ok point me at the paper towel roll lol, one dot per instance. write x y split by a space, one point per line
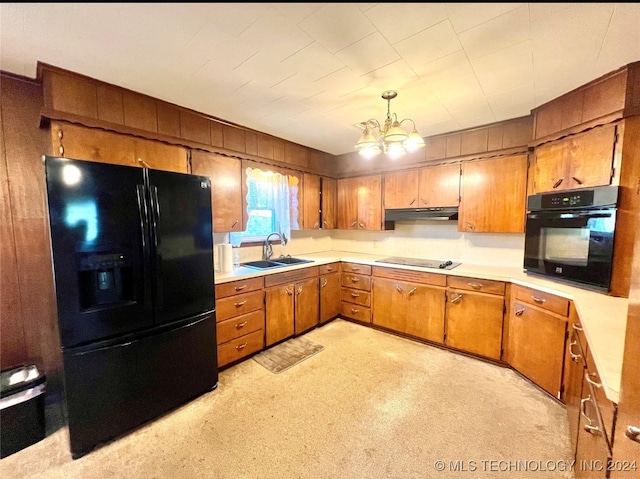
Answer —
226 257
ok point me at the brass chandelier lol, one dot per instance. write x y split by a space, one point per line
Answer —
389 137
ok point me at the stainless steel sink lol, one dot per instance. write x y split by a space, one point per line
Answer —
262 264
290 260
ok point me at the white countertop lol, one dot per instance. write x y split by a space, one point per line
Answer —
603 317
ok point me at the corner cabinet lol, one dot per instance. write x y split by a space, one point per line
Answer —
580 161
330 291
226 189
493 194
360 203
319 202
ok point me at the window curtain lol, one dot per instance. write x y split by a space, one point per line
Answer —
267 189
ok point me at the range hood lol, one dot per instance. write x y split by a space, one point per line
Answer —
412 214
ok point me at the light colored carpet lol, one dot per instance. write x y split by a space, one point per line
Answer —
287 354
372 405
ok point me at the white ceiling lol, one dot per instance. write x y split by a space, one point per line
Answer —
308 72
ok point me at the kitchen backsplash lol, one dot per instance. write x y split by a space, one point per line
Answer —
420 239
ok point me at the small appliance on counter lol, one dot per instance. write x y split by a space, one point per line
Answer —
569 236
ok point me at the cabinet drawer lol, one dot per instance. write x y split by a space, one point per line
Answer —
238 287
354 311
605 406
356 268
474 284
356 296
543 300
356 281
239 304
240 347
329 268
239 326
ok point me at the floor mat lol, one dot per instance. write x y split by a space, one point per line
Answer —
281 357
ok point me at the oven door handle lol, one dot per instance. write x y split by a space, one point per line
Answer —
565 215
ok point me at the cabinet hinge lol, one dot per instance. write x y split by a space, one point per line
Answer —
566 335
189 164
613 171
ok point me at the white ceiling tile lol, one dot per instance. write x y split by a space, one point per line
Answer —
397 21
337 25
512 103
297 12
313 62
622 40
497 34
450 76
464 16
430 44
369 54
233 18
506 69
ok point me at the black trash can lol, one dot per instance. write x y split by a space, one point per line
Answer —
21 408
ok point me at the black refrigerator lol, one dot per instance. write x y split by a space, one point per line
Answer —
133 265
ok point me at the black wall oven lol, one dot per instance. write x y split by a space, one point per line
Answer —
569 236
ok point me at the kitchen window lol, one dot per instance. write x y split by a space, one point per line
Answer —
272 206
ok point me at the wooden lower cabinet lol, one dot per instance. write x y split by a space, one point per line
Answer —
410 308
536 344
330 294
574 369
474 322
355 280
240 319
292 304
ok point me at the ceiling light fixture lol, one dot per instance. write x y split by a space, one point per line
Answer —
390 137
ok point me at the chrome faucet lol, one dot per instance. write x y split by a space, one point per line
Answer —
267 249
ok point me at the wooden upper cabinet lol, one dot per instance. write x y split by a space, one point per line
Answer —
580 161
311 200
194 127
110 104
140 112
493 195
360 203
439 186
226 189
70 93
160 156
233 138
401 189
329 199
79 142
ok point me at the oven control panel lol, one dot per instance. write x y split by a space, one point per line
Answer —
568 199
574 199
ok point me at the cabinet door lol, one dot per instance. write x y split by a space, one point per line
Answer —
493 201
159 156
574 370
474 322
591 158
330 293
369 201
424 312
401 189
439 186
536 345
389 304
72 141
347 204
592 454
307 305
279 315
328 203
226 189
549 172
311 201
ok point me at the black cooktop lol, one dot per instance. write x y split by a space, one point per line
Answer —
422 263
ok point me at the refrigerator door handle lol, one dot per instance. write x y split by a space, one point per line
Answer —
155 215
146 253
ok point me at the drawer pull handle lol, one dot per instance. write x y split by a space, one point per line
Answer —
412 202
234 224
324 282
519 312
633 433
538 300
590 428
241 325
354 223
361 225
400 290
576 180
456 298
289 291
577 327
355 280
574 357
424 202
329 268
591 381
354 268
325 223
355 295
316 225
355 311
475 285
299 291
412 291
557 183
241 346
241 303
240 288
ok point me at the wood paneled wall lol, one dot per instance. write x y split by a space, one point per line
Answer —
28 321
